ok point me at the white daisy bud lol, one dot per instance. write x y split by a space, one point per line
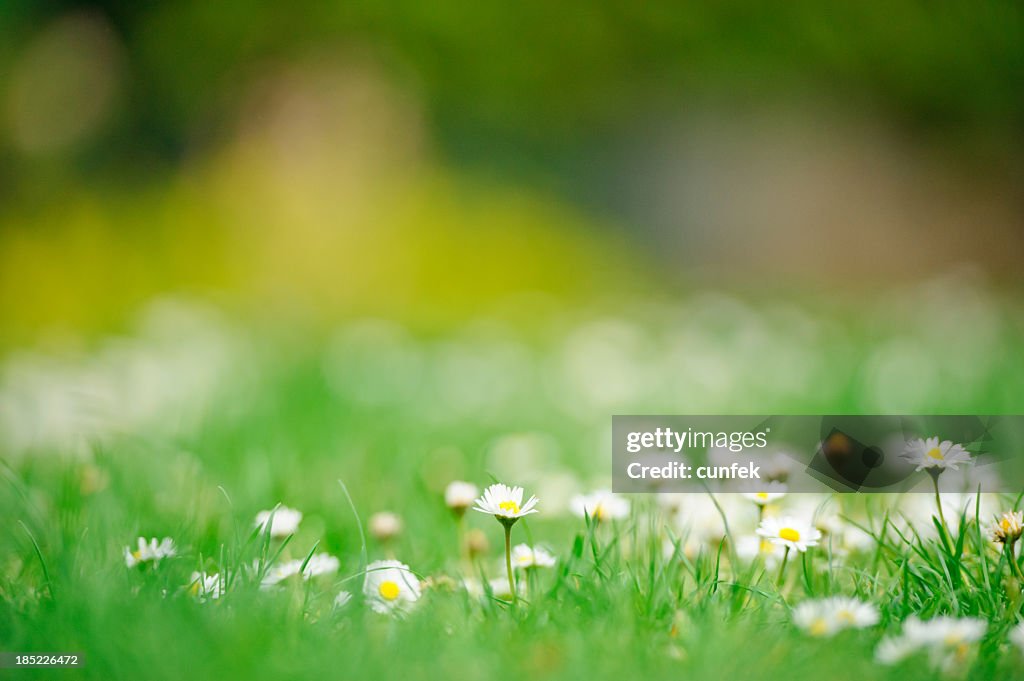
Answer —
459 496
385 526
1008 527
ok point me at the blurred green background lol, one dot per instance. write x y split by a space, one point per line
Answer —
427 163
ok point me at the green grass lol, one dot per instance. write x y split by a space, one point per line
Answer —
278 429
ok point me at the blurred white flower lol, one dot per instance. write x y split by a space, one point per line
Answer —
500 588
931 453
473 587
204 586
524 556
385 526
949 641
778 467
279 572
849 538
600 505
815 618
149 552
750 547
459 495
319 564
894 649
505 503
945 631
789 532
286 521
1016 636
670 502
773 491
703 515
390 587
853 613
342 599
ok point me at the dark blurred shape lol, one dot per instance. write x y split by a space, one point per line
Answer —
63 85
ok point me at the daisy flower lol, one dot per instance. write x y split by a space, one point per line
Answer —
935 457
525 556
600 505
505 503
459 496
285 521
773 491
206 586
931 454
149 552
390 587
1008 527
789 533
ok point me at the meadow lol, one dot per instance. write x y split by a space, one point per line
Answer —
191 423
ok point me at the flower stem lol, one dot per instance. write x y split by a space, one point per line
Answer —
1011 555
460 531
938 501
782 567
508 561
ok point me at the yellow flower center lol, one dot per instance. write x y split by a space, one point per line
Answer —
767 546
388 590
509 507
845 616
819 627
763 496
1005 524
789 534
599 512
136 555
936 454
